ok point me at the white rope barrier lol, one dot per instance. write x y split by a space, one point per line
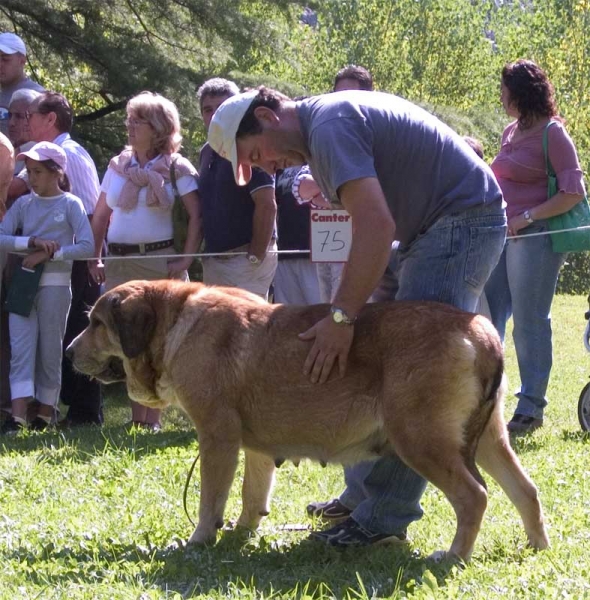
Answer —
522 237
282 252
198 255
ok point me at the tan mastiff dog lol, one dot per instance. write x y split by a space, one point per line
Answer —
424 380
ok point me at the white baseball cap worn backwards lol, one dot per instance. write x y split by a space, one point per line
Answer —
223 129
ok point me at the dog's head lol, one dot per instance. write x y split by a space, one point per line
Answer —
122 324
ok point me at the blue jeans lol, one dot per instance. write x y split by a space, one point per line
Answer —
450 263
523 285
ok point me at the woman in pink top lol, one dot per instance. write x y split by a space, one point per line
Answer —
523 283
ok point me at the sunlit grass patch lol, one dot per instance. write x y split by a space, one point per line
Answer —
98 514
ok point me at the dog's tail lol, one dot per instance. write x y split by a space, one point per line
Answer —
492 390
493 384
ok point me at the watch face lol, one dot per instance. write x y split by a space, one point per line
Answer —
337 316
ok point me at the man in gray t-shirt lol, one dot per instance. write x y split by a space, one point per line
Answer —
425 170
401 174
12 73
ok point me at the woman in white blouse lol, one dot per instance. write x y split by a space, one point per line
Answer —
135 204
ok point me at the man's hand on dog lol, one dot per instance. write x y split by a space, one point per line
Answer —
332 344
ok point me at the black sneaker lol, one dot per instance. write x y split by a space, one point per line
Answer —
521 424
39 424
332 510
350 534
10 427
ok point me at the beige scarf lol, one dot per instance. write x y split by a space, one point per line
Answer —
155 178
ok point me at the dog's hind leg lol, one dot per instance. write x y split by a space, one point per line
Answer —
438 458
496 457
219 459
258 482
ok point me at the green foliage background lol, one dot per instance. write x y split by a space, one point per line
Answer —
443 54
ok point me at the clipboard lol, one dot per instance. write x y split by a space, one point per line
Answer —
23 289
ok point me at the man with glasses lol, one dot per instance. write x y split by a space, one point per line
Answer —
13 57
18 128
235 219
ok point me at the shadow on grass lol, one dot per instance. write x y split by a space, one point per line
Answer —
576 436
274 566
526 443
83 443
260 567
86 441
288 567
529 443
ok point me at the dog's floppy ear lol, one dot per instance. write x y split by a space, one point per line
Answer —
135 322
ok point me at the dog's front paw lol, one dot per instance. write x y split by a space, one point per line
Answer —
203 537
176 544
442 556
244 532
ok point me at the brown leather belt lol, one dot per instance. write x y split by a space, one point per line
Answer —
124 249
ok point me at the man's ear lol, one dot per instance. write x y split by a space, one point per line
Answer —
266 115
51 118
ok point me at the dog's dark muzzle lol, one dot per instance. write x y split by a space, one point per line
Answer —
114 372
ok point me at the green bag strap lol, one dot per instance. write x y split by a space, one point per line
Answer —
173 177
548 166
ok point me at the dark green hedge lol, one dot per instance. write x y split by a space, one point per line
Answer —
575 275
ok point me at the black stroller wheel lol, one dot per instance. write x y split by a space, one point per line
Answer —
584 408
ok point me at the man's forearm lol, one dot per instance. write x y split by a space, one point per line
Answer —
373 232
263 222
368 259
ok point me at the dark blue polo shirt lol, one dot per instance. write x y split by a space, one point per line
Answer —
227 209
292 217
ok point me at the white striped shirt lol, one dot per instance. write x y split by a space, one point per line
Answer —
81 172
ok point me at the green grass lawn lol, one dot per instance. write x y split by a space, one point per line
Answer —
98 514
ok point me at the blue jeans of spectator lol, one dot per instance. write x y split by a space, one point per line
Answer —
522 286
450 263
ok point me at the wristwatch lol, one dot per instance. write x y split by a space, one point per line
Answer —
527 216
340 317
254 259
